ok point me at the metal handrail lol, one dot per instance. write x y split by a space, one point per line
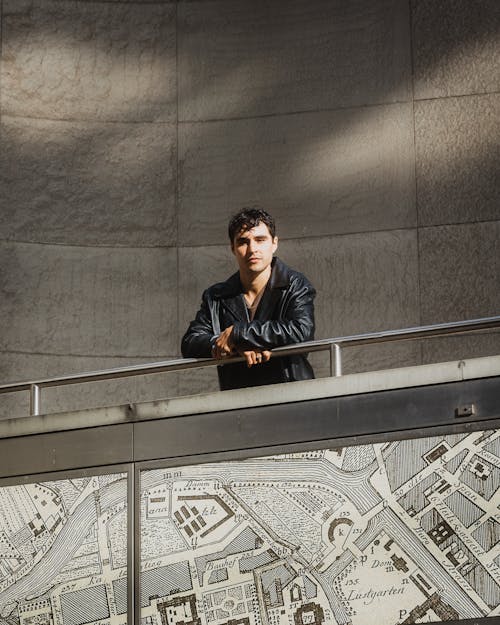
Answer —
334 345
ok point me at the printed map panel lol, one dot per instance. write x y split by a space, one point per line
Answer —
394 533
63 552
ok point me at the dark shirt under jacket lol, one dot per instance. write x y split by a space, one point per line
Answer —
285 315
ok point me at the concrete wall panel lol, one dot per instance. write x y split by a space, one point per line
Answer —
456 47
459 271
87 183
455 348
89 60
85 301
459 278
369 358
239 58
364 282
198 381
377 357
15 367
318 173
458 159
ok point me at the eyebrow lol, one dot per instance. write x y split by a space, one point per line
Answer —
260 237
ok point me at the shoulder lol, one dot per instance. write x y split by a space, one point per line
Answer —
219 290
285 276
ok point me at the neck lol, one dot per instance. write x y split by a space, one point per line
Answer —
254 283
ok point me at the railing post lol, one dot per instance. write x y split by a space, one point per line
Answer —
335 360
338 360
35 400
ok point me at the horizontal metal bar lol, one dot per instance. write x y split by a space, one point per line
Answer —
419 332
386 336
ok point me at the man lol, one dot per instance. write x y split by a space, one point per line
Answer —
264 305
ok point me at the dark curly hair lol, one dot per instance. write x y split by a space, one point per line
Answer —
248 218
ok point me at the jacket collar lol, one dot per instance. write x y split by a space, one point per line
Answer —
280 275
231 292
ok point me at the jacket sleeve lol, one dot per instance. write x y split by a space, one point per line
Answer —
199 337
296 326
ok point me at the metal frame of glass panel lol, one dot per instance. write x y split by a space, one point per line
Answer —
129 470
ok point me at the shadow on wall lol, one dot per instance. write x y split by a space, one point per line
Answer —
89 107
455 47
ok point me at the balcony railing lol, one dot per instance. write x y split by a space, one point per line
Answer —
333 345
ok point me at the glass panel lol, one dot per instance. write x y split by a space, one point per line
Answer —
63 552
397 532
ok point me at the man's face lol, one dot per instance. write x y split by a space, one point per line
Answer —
254 249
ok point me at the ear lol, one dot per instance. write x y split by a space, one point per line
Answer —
232 247
275 244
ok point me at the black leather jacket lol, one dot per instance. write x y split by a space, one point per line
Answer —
285 315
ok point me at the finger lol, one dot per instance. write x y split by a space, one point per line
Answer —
221 339
266 355
255 357
221 347
217 352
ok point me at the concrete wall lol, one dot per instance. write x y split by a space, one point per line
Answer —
131 131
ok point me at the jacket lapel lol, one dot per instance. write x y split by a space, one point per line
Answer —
267 304
236 306
272 294
231 298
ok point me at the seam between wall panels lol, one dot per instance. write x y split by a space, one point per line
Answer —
417 212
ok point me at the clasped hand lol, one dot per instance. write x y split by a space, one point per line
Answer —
224 347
